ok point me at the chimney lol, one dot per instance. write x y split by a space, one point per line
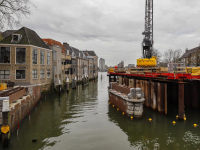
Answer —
65 43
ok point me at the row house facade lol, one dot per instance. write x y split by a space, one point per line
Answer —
191 58
62 62
25 59
72 69
95 61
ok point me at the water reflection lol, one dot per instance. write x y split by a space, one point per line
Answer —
82 119
53 116
158 134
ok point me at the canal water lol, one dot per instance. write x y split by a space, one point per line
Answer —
83 120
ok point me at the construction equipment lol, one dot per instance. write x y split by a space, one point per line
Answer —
3 86
147 43
111 69
194 71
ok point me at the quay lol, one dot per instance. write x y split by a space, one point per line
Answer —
162 89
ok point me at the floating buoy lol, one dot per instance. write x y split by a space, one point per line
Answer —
122 113
113 105
34 140
150 119
174 122
131 117
195 125
176 116
117 109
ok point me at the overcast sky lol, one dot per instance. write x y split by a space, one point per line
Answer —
113 28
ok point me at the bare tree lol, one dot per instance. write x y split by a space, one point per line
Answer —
12 10
157 53
172 56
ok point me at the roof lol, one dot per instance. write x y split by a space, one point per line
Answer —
54 42
66 45
29 37
188 52
91 53
8 33
77 52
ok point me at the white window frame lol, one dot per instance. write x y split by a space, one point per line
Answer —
16 75
32 74
19 37
16 55
40 57
49 70
34 55
10 54
43 73
9 74
49 62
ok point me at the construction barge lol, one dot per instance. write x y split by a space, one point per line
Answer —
160 90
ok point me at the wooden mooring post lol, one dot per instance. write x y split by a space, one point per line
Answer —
181 100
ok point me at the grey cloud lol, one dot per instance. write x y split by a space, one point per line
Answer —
112 28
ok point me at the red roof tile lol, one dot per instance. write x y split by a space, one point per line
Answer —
53 42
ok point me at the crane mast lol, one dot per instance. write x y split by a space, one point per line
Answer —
147 43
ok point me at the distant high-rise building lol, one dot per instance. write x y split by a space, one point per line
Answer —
121 64
131 65
102 64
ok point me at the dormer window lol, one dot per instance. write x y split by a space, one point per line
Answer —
16 38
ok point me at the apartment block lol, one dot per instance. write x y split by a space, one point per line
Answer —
25 59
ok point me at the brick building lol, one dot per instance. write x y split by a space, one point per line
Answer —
25 59
95 61
191 57
62 61
72 69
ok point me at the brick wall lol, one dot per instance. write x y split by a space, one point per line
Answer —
123 89
118 102
16 95
20 111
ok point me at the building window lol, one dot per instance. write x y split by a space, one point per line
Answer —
48 58
20 74
42 57
16 38
34 74
4 74
48 73
42 73
34 56
5 55
21 55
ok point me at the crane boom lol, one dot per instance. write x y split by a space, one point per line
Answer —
147 43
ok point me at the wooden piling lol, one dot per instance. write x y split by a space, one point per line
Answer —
194 93
165 97
181 101
154 96
134 83
131 83
148 93
137 83
161 97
